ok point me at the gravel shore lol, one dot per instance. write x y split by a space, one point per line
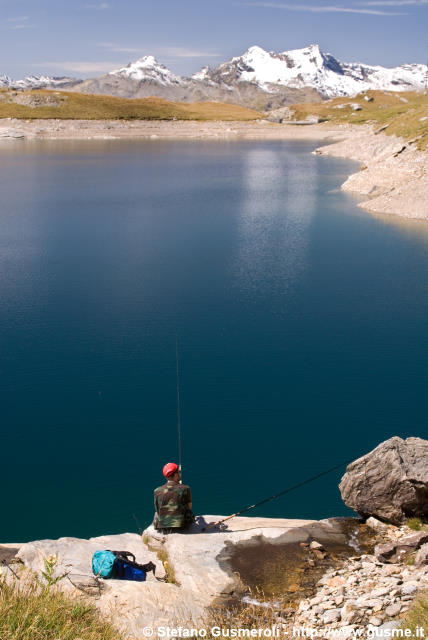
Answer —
393 178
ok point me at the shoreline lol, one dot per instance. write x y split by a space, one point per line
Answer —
165 129
392 179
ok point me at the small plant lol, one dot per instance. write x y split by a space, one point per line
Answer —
169 569
164 558
49 579
415 524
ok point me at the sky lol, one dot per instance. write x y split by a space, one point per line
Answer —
86 38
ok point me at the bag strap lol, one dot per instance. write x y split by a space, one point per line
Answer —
148 567
124 554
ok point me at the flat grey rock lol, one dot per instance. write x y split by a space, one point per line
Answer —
11 133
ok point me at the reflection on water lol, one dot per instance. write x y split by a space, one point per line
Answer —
274 219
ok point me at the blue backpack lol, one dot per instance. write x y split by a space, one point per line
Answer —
118 565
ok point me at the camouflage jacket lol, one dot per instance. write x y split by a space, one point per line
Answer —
171 502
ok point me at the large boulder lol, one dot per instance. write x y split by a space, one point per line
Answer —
390 482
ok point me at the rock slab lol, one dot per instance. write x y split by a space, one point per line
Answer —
202 577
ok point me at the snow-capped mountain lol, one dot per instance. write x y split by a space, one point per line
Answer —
310 67
35 82
148 69
258 78
5 81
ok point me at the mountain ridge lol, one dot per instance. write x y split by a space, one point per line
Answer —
257 78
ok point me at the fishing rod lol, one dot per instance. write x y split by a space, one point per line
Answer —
178 402
140 530
7 565
178 421
277 495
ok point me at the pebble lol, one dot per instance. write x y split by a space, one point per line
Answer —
408 589
393 609
316 545
332 615
390 570
378 593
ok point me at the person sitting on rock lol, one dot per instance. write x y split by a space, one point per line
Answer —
173 502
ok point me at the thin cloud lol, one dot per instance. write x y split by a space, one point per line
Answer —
182 52
321 9
118 49
80 67
395 3
167 52
99 5
22 26
19 23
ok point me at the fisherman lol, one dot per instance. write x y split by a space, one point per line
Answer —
173 502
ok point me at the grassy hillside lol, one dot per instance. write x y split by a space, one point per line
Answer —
44 104
405 114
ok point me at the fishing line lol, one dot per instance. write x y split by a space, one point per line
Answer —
276 495
178 402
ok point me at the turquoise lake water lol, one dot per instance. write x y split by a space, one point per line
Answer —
302 325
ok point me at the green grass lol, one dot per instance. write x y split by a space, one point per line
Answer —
31 613
418 615
402 113
82 106
415 524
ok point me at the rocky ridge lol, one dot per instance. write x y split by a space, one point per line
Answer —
37 82
310 67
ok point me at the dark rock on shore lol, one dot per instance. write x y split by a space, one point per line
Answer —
399 550
390 482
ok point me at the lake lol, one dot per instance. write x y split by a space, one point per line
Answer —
301 321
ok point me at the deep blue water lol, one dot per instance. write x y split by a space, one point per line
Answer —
302 325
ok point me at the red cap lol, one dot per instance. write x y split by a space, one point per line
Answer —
169 469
